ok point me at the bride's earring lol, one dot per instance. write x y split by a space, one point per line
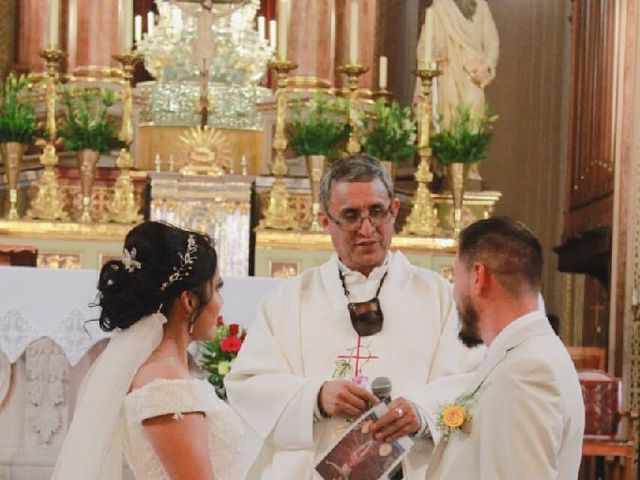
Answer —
192 322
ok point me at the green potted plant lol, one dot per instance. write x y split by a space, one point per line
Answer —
17 129
459 146
318 133
389 133
88 132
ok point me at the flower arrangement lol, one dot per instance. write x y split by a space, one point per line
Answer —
466 139
86 124
219 353
389 133
17 118
322 129
456 416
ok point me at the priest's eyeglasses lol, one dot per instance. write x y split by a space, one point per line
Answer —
350 219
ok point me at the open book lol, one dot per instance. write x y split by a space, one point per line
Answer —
359 456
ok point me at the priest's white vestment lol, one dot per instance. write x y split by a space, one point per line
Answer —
528 415
303 337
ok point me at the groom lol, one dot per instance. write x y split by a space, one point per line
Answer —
523 413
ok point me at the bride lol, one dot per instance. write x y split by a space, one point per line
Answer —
163 294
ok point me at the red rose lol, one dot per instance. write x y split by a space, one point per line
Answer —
233 329
230 344
219 321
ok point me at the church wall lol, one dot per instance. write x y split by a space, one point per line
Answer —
527 158
7 33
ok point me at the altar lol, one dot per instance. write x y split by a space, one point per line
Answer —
48 341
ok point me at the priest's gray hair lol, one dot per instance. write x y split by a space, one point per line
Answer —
355 168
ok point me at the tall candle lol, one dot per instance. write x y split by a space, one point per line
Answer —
261 27
151 23
137 28
353 33
273 28
54 20
283 28
382 74
127 24
428 38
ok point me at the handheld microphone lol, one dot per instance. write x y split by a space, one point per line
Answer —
381 388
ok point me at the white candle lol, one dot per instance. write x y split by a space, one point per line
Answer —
428 38
127 21
151 23
54 20
382 74
261 27
353 33
273 28
137 28
283 28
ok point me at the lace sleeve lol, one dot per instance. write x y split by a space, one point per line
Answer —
163 397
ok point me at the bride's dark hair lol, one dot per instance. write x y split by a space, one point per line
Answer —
153 273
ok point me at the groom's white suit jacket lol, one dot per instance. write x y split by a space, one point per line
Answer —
528 416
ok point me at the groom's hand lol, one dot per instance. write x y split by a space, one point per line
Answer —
401 419
344 399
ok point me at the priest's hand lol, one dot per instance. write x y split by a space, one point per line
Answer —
340 398
401 419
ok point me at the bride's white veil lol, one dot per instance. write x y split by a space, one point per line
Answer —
92 448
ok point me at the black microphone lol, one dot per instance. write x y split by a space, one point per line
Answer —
381 388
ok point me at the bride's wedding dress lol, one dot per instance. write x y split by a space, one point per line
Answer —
177 397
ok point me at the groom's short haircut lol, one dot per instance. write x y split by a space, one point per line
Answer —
508 249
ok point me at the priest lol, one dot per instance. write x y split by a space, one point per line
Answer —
321 338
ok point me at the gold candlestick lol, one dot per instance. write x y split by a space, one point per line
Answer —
423 219
128 61
353 72
279 215
385 95
49 202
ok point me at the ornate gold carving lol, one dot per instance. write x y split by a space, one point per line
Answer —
353 72
316 165
278 215
423 219
123 207
208 152
64 230
87 162
49 202
12 153
66 261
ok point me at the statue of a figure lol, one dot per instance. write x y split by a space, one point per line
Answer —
465 45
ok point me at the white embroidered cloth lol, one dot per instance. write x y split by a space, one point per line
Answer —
40 302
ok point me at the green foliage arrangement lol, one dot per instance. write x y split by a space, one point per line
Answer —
86 125
17 117
322 129
390 133
466 139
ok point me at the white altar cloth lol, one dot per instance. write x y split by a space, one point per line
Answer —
39 302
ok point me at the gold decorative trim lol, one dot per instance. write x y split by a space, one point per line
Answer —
283 269
321 241
65 230
66 261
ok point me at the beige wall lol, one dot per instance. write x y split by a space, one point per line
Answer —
527 159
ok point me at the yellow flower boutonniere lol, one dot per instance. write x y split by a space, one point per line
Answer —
457 415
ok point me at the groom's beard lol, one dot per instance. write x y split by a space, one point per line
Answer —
469 334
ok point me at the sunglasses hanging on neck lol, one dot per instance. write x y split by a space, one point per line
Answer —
366 317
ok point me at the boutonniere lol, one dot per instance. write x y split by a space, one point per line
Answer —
456 415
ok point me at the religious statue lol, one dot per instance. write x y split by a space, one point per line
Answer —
465 46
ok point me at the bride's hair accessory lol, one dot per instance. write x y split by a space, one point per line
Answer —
129 260
186 263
